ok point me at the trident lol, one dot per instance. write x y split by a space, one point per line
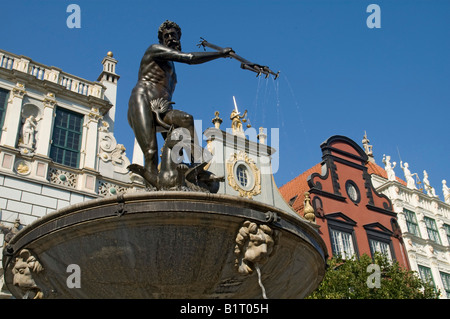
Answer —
245 64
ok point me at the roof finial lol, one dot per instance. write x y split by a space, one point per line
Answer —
368 148
308 210
217 120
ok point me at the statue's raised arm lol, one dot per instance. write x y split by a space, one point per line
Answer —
164 53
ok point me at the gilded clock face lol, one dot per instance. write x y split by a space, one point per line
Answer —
352 191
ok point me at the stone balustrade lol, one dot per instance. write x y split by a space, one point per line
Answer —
42 72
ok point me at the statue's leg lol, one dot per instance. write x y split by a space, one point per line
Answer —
179 118
142 121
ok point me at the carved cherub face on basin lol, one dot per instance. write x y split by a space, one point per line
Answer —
22 275
254 245
24 267
259 246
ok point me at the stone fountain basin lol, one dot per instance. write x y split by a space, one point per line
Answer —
166 245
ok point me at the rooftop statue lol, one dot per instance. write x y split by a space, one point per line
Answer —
446 191
150 110
429 189
410 183
389 168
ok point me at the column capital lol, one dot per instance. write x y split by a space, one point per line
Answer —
94 115
50 100
19 90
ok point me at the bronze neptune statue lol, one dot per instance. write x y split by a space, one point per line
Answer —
150 104
150 111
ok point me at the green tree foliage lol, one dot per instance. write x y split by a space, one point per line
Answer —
349 280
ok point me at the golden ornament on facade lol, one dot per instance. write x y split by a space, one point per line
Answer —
308 210
23 167
243 175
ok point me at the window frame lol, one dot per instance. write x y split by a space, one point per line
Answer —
250 175
380 236
340 251
412 224
68 132
341 226
349 183
422 275
3 107
433 229
381 242
445 278
447 231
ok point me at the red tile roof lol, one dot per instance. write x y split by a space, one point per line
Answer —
297 188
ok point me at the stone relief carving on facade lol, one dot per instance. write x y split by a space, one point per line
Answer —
108 189
110 151
60 177
22 167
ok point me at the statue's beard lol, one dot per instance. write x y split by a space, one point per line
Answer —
176 45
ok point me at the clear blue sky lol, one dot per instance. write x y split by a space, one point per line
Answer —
337 75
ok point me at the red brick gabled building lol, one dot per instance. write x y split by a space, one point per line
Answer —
353 217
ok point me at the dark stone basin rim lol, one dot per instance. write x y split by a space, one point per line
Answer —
167 202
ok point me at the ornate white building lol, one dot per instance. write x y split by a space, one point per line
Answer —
424 220
57 144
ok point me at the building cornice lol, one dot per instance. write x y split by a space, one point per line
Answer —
67 86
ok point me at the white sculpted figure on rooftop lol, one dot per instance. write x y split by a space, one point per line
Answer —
430 190
446 191
410 183
389 168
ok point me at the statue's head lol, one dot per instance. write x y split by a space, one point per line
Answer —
169 34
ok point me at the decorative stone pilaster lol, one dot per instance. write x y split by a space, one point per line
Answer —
13 116
43 145
90 147
42 150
